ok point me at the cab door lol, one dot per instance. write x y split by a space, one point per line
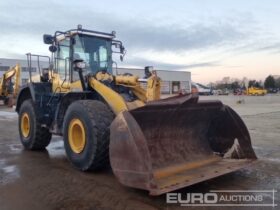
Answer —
62 73
62 66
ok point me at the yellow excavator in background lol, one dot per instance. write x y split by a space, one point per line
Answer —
106 118
9 85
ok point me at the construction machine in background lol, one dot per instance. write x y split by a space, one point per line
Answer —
152 144
9 85
254 91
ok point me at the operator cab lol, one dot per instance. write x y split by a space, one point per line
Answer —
92 48
95 52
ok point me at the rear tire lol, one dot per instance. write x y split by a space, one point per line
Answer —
32 135
86 133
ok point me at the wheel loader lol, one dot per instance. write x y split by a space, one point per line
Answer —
9 85
158 145
254 91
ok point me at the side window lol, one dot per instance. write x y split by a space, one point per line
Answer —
62 59
103 59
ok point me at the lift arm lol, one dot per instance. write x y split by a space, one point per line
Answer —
117 102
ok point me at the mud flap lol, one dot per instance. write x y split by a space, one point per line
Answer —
177 142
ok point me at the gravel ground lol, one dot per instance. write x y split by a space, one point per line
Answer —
46 180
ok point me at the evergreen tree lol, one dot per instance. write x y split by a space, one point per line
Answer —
269 82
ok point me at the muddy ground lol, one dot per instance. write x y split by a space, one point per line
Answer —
46 180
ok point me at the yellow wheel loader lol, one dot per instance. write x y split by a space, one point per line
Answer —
105 118
9 85
254 91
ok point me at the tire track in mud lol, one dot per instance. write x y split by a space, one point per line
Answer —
56 185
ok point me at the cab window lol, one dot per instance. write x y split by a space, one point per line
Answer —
62 58
95 52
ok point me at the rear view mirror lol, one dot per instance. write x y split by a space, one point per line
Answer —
120 47
53 48
48 39
116 45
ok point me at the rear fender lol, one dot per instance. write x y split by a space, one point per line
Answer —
26 92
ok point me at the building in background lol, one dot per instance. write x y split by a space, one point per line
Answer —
172 81
6 64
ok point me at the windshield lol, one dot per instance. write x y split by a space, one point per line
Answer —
94 51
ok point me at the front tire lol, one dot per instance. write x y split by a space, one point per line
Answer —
86 133
32 135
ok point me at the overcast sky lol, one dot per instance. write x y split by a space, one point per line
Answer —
210 38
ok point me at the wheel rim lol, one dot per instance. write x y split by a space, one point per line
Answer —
25 125
76 136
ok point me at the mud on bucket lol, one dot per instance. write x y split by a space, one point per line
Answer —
170 144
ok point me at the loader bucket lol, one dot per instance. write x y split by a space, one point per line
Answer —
176 142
